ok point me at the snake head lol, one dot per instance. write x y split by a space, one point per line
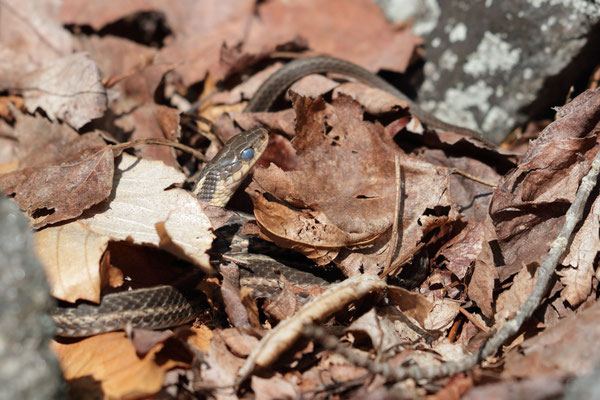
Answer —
225 172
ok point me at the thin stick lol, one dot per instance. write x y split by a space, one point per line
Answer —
399 190
117 148
473 178
477 324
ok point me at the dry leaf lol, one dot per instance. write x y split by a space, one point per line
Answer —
379 329
28 29
577 277
510 300
274 388
412 304
111 360
139 210
71 256
529 204
344 191
201 337
69 89
156 122
566 349
280 22
57 193
128 62
442 313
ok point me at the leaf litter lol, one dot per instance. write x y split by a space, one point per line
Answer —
327 188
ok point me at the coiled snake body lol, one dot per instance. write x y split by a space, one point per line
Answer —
164 306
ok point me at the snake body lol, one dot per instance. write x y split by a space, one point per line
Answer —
283 78
156 307
165 306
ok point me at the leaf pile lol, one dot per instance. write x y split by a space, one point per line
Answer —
473 223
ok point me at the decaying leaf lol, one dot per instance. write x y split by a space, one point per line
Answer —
57 193
529 204
153 121
566 349
343 192
510 300
577 277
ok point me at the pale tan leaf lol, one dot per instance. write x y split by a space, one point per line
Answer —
442 314
138 210
378 328
69 89
274 388
139 202
201 337
70 255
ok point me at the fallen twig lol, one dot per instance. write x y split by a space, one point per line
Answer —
473 178
288 331
398 209
118 148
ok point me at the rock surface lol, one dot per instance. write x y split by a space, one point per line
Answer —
493 64
28 369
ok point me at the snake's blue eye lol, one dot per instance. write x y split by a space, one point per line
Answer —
248 154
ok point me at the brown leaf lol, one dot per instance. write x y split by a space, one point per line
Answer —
274 388
442 313
380 330
231 296
412 304
279 22
344 191
219 366
469 251
241 344
63 191
153 121
482 283
286 303
566 349
463 249
510 300
375 101
144 340
529 204
577 277
39 142
530 388
110 359
130 63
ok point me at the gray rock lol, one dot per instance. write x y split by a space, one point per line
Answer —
493 64
585 387
28 369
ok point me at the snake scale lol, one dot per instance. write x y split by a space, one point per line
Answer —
165 306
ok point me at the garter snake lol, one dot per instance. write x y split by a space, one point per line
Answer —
164 306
